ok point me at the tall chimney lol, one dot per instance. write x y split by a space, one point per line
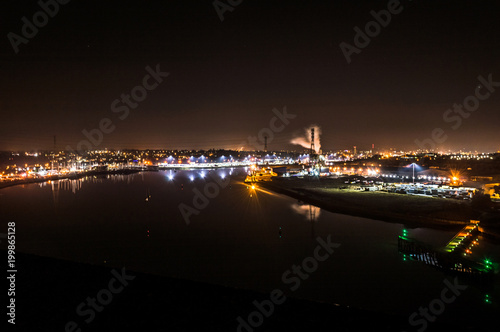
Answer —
313 150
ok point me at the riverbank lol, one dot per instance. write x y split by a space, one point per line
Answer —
48 291
410 210
5 184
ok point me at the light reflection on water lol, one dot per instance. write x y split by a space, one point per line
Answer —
239 239
310 212
74 185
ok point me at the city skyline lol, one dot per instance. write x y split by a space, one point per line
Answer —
264 165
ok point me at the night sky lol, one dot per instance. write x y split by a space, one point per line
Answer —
225 77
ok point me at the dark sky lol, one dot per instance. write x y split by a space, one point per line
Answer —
226 77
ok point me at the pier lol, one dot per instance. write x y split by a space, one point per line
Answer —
465 238
450 259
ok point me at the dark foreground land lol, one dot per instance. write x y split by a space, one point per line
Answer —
48 291
411 210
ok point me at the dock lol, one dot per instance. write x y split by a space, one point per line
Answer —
464 238
452 259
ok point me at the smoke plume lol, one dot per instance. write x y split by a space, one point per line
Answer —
305 141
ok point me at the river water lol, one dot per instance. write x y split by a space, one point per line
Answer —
242 238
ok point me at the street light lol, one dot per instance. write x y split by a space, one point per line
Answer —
413 164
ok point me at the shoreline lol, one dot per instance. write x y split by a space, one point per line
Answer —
309 197
6 184
334 202
127 171
313 192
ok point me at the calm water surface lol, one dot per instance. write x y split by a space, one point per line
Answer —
234 241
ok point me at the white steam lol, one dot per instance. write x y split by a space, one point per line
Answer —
305 141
